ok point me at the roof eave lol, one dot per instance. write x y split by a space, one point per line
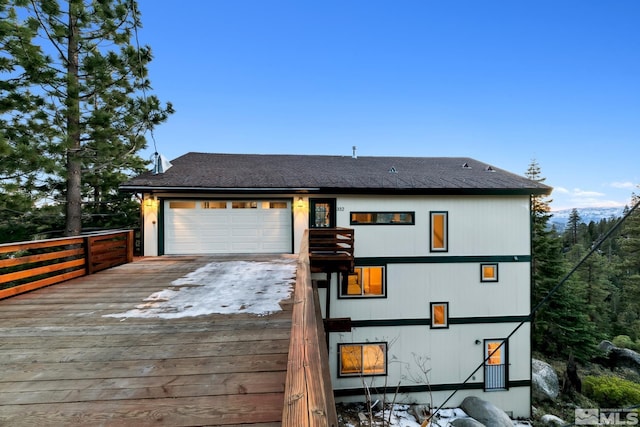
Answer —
331 190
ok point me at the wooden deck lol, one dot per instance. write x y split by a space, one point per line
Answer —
63 363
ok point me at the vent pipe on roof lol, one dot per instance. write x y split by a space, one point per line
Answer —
160 163
354 155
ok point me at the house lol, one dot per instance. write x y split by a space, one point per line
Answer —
442 260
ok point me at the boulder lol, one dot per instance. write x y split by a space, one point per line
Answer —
606 346
620 357
544 381
485 412
552 420
466 422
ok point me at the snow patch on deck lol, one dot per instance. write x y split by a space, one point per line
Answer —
221 288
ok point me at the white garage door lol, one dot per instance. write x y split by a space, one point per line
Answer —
226 226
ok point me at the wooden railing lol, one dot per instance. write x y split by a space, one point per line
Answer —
331 249
26 266
308 399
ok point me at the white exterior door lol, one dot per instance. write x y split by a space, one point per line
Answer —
227 226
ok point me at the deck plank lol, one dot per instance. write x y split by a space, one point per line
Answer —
63 363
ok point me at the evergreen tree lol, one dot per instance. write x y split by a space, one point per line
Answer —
627 320
593 287
77 57
22 150
572 227
561 327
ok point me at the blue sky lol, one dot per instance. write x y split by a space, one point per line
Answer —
504 82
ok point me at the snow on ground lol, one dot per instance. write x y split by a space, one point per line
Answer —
222 287
401 416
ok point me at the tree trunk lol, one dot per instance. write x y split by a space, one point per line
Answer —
74 166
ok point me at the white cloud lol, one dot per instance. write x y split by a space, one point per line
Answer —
579 198
560 190
578 193
627 184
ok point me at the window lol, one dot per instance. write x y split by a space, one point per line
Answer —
213 205
489 272
364 282
439 315
176 204
322 213
274 205
382 218
362 359
495 366
244 205
439 235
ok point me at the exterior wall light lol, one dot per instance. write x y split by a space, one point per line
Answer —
300 202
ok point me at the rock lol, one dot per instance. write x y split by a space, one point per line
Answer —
485 412
544 381
620 357
466 422
552 420
606 346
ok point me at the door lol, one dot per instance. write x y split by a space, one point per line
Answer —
227 226
322 213
495 364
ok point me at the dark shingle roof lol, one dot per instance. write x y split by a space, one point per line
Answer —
344 174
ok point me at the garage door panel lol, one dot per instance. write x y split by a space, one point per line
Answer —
244 232
264 229
244 220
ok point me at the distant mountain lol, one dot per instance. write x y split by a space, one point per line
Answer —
560 218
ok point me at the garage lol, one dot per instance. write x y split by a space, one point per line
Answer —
227 226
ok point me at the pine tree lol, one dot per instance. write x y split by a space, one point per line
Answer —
573 224
77 57
627 321
561 327
22 148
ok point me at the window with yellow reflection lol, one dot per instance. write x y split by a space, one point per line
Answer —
494 352
362 359
439 232
364 282
382 218
439 315
489 272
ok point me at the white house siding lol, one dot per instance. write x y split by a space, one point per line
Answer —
451 356
491 229
411 287
478 225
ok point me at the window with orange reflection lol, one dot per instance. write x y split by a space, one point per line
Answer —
494 351
439 232
439 314
489 272
364 282
363 359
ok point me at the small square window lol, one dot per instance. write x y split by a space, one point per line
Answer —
439 315
488 272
